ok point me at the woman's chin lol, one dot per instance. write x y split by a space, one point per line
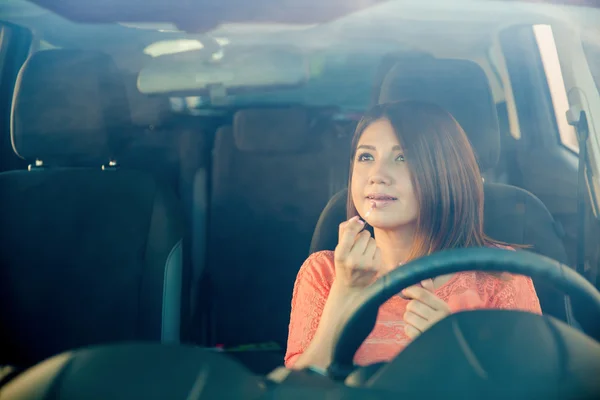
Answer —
387 224
383 224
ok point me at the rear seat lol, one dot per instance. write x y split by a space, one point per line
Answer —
269 185
171 147
174 150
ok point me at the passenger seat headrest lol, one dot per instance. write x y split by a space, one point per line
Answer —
67 106
459 86
271 130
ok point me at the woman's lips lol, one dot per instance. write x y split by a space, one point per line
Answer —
381 201
380 196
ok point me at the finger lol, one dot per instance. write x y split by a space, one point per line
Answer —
348 234
377 260
371 249
411 331
416 320
343 225
428 284
426 297
361 243
405 293
423 310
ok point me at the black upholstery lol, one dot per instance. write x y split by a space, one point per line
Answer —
260 131
174 150
152 144
266 198
67 94
87 255
494 354
459 86
146 111
512 215
387 63
136 371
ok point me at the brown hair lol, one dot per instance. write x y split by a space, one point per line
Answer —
444 172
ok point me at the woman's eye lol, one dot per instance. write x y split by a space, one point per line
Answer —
400 158
364 157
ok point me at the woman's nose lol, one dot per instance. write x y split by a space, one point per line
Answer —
379 176
379 180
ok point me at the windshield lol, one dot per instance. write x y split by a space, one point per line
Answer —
237 152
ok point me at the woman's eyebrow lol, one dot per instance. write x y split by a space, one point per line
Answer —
369 147
366 146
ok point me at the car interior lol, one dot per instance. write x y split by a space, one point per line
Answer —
153 219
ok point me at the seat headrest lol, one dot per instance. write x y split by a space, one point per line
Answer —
271 130
146 111
387 62
67 106
459 86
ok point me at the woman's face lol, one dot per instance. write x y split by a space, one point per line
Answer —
381 177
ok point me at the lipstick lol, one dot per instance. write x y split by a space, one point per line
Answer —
373 206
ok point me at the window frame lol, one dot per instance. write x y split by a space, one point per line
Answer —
548 53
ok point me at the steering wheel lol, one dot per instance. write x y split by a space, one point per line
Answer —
361 321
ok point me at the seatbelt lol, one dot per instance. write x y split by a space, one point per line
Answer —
578 118
198 249
581 126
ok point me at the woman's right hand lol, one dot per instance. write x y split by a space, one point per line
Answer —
357 262
357 258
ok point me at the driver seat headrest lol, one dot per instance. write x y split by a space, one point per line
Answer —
459 86
68 106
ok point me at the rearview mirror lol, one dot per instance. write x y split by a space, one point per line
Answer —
231 70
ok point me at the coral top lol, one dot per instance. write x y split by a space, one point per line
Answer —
464 291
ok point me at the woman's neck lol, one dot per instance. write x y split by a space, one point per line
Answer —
394 245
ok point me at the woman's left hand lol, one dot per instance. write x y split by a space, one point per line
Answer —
424 309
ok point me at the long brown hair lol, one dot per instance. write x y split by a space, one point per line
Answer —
444 172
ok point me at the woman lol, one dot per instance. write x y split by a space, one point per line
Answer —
414 179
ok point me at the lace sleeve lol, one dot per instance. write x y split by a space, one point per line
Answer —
310 294
516 293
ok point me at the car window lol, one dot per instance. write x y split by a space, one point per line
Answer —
549 56
591 47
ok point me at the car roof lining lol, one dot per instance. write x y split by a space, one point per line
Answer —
472 35
185 12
